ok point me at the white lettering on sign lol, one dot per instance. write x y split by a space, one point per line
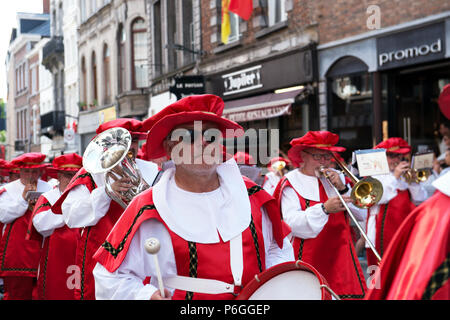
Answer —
243 80
410 53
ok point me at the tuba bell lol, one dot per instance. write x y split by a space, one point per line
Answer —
110 153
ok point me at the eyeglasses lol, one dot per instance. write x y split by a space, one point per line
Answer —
190 135
318 156
394 155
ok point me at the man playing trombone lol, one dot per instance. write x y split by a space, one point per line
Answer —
316 215
399 197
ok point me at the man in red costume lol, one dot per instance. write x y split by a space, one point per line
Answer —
86 205
217 229
398 200
417 261
317 217
60 242
19 258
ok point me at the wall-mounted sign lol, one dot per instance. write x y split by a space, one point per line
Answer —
242 80
411 47
187 86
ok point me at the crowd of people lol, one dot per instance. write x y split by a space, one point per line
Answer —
215 225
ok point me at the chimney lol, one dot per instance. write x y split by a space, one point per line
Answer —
46 6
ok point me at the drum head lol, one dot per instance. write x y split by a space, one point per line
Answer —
287 281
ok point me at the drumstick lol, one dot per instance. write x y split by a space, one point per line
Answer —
152 246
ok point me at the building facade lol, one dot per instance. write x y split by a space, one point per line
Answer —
112 46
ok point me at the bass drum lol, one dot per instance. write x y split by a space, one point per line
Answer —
287 281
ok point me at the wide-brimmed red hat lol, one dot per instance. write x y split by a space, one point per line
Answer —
244 158
205 107
323 140
32 160
394 145
275 160
133 125
444 101
66 163
4 167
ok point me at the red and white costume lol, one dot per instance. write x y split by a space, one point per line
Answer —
398 200
416 263
212 243
85 205
19 258
272 177
217 225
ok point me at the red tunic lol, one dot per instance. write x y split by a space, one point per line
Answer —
416 262
90 238
388 220
58 253
210 261
19 257
332 251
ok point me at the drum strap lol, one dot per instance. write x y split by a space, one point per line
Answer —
210 286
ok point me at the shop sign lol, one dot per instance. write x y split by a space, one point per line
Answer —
188 85
242 80
411 47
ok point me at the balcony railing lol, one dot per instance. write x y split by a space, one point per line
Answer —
53 52
53 121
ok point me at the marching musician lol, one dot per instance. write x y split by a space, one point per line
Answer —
277 168
19 258
316 215
217 229
398 200
86 205
59 241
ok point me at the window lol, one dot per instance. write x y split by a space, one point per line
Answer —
188 31
34 80
276 11
106 74
122 37
234 26
84 80
94 78
171 35
157 39
83 10
139 39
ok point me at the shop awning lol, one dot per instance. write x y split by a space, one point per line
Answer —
260 107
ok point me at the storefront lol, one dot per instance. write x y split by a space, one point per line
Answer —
386 83
275 93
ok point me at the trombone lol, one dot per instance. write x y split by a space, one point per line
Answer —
365 193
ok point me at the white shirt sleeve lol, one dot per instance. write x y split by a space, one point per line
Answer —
274 255
11 208
126 283
46 222
418 193
305 224
83 209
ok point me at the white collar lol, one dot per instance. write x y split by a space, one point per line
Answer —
308 186
199 223
148 169
53 195
15 188
443 183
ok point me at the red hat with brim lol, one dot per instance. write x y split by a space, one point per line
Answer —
4 167
134 126
205 108
394 145
244 158
32 160
66 163
444 101
322 140
277 159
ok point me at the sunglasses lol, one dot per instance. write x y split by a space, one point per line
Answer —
318 156
188 136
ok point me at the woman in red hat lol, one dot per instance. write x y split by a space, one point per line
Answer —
398 200
317 217
86 205
217 229
19 258
277 169
60 242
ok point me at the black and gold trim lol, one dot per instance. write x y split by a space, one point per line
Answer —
438 279
193 265
383 220
354 296
302 241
